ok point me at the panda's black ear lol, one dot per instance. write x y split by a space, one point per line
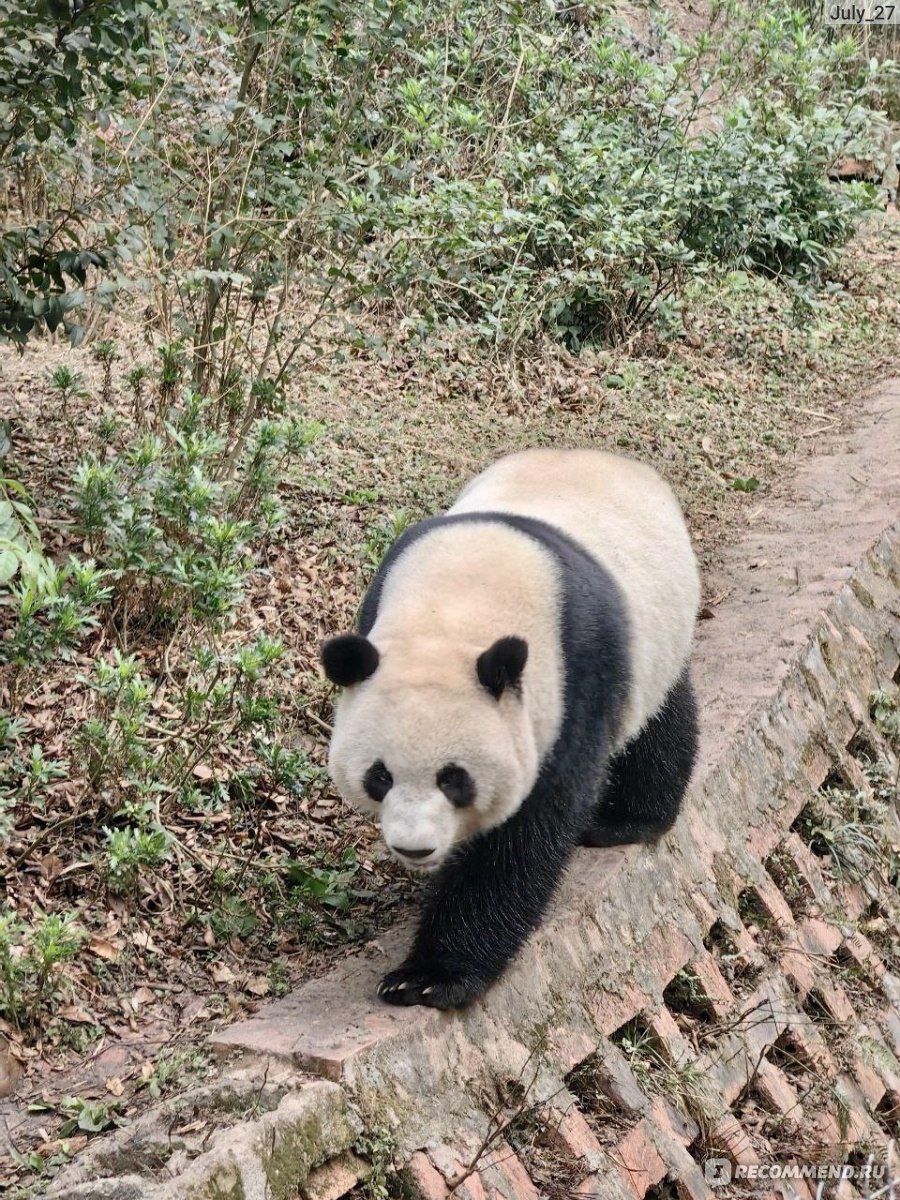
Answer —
348 659
502 664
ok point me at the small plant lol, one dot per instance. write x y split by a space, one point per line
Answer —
88 1116
325 883
855 830
106 354
384 535
136 380
885 710
173 1069
38 772
682 1081
66 385
30 960
131 850
53 611
379 1149
685 994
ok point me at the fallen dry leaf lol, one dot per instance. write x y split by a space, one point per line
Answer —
76 1015
115 1086
51 866
222 974
144 941
258 985
141 998
11 1069
103 949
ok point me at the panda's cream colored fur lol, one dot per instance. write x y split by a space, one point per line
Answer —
519 684
627 517
445 601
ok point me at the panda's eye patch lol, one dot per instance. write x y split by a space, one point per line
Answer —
378 781
457 785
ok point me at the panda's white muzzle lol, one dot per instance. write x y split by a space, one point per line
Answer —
418 831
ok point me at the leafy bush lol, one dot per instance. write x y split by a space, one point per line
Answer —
495 165
173 515
57 61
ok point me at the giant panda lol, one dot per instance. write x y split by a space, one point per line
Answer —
518 685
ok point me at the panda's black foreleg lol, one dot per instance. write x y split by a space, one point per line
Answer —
647 781
483 905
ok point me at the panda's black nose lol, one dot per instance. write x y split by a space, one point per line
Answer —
413 853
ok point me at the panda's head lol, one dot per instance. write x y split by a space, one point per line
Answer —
436 743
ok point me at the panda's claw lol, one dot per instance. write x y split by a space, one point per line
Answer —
435 987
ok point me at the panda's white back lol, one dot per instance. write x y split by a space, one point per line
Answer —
626 516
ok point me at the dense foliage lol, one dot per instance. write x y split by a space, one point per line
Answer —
504 164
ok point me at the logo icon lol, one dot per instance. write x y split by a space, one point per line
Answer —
717 1171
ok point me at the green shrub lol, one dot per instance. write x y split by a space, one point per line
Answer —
496 165
30 958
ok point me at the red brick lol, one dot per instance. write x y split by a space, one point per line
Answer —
569 1047
890 1023
675 1124
616 1080
864 954
690 1185
732 1066
610 1011
675 1046
449 1162
811 1047
844 1190
795 962
606 1185
778 1092
730 1138
569 1133
774 903
819 937
836 1002
851 897
870 1082
638 1160
822 1131
890 1111
704 911
335 1178
427 1183
807 864
714 986
503 1176
862 1127
816 762
745 945
471 1188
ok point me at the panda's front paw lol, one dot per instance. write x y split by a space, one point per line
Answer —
437 987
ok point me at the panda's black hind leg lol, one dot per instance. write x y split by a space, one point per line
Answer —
647 781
